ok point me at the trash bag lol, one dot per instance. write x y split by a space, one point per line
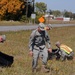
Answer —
55 54
6 60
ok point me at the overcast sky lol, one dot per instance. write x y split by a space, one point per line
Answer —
61 5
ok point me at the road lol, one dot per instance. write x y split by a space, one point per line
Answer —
29 27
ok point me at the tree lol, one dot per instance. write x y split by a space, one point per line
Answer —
13 9
50 11
41 7
68 14
56 13
73 15
10 7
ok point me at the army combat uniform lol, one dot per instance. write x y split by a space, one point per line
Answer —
66 52
37 44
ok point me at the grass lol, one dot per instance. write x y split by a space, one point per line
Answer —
16 23
61 22
11 23
16 44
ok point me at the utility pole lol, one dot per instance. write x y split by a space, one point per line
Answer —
26 4
33 5
26 8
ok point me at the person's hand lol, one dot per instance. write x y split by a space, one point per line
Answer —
50 50
31 53
1 39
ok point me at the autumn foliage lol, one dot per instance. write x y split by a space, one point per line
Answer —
11 7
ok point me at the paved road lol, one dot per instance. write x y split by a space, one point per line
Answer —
29 27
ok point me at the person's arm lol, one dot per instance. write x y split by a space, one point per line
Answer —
31 41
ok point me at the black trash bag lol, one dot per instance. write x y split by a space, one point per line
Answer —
6 60
55 54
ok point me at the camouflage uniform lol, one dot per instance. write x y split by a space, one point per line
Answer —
65 55
64 51
37 44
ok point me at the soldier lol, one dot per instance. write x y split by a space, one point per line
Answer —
65 51
48 27
37 46
2 38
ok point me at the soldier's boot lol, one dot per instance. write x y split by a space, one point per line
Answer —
45 69
34 70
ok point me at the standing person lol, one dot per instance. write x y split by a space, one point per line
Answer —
48 27
37 46
65 51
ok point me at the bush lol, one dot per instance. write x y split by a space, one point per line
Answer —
24 19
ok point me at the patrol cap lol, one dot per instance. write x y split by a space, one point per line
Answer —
3 37
42 26
57 43
49 26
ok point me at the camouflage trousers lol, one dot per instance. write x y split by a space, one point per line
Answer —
65 56
43 53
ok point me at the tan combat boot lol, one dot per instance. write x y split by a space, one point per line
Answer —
34 70
45 69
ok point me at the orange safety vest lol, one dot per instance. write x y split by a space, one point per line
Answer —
66 48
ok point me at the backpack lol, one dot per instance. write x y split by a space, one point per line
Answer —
6 60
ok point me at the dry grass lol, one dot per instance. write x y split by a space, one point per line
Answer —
61 22
10 23
17 46
16 23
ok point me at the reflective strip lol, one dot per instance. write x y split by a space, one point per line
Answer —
66 48
45 28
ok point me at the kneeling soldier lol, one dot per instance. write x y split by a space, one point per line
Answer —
65 51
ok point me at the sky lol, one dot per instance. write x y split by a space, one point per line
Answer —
61 5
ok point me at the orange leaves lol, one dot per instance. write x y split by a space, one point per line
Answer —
3 2
11 6
3 7
14 6
23 6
